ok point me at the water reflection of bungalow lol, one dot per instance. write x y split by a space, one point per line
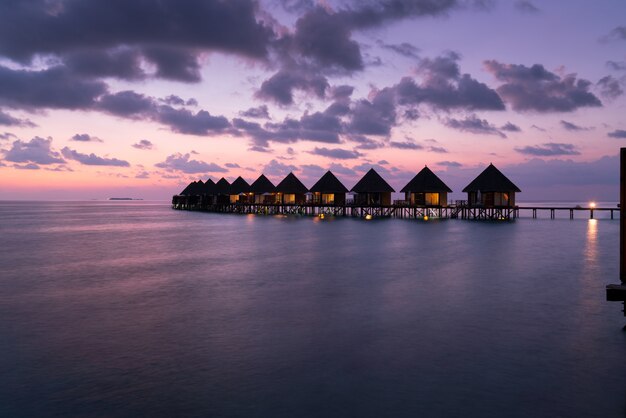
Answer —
329 191
491 189
372 189
291 191
239 191
426 189
222 191
263 191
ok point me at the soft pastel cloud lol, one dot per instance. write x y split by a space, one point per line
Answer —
92 159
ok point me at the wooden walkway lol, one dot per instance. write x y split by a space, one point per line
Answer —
396 211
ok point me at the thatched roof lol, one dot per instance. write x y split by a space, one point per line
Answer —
329 184
209 187
291 185
262 185
239 186
197 188
188 189
426 182
491 180
222 186
372 182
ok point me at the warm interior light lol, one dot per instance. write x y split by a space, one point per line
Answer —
592 205
425 217
321 216
368 217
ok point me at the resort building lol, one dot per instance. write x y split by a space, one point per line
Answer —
426 189
291 191
372 190
263 191
222 191
491 189
329 191
208 193
240 191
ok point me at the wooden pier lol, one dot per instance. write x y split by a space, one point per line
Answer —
617 292
458 210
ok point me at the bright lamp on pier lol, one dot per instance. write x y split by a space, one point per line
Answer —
592 205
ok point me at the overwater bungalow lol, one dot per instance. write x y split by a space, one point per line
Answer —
263 191
239 191
291 191
208 193
329 191
491 189
187 190
426 189
222 191
372 190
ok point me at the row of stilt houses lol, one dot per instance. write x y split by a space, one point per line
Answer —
491 195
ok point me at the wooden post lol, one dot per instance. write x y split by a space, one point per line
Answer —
622 215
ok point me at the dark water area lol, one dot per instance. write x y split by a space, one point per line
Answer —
126 309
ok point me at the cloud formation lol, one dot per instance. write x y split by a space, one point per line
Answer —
618 133
92 159
8 120
537 89
336 153
550 149
144 144
569 126
474 125
37 151
85 138
182 163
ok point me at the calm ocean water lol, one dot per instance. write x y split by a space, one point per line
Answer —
129 309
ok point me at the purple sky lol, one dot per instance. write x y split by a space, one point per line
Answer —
104 98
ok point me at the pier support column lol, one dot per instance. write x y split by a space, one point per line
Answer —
617 292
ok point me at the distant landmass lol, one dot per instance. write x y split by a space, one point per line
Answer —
123 198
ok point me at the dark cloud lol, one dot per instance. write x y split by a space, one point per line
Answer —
142 175
474 125
375 117
229 26
509 127
326 37
537 89
37 151
444 87
278 170
438 150
618 133
539 128
8 120
280 87
550 149
54 87
406 145
92 159
336 153
85 138
123 63
232 165
569 126
610 87
453 164
127 104
260 112
144 144
173 100
7 135
405 49
29 166
526 6
182 163
174 64
342 92
617 34
185 122
616 65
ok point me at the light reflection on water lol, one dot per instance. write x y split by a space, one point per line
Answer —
136 310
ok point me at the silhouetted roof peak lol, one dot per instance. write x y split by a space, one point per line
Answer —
426 182
491 180
328 183
372 182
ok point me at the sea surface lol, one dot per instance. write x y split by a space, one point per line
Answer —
132 309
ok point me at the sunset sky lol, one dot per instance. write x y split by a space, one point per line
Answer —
102 98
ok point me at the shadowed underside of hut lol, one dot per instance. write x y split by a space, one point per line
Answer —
491 189
329 191
291 191
263 191
372 190
426 189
